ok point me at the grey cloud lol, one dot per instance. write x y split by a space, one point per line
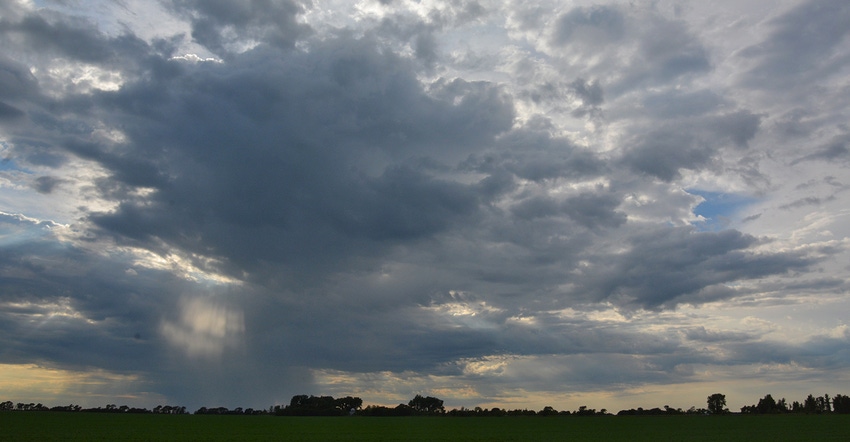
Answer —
677 104
805 44
111 310
531 153
312 149
591 96
691 144
836 150
9 112
739 127
46 184
660 49
422 34
590 92
797 123
221 25
404 204
16 84
459 12
663 153
701 334
75 39
672 52
820 352
16 81
109 314
595 25
674 266
38 152
807 201
588 209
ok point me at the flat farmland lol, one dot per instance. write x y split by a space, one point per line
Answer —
53 426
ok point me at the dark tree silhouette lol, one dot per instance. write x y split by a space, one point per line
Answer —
427 405
767 405
717 403
841 404
345 404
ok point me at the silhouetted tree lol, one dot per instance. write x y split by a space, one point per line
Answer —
767 405
841 404
548 411
345 404
303 405
584 411
717 403
823 404
427 405
813 404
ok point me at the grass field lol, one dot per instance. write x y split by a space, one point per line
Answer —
50 426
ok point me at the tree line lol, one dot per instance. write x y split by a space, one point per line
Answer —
111 408
811 405
304 405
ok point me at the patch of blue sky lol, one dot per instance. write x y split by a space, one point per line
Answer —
7 164
10 164
11 234
718 209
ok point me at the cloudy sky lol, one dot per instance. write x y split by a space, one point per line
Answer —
498 203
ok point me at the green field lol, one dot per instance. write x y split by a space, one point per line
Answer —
52 426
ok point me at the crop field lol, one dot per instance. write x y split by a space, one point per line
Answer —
52 426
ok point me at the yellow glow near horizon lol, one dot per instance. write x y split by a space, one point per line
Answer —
32 383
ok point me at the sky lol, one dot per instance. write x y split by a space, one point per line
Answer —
504 204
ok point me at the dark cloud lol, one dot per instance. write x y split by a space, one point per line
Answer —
701 334
531 153
692 144
90 310
75 39
112 314
312 149
664 153
16 83
675 266
590 210
9 112
46 184
16 80
819 352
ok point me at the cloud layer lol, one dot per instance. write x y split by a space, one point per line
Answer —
499 204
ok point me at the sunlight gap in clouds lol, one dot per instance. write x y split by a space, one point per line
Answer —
205 328
181 264
41 314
